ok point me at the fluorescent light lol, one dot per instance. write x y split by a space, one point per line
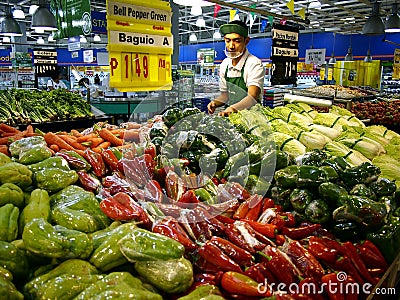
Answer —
39 30
200 22
315 5
193 38
193 3
97 38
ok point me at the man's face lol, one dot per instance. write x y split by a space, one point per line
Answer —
235 42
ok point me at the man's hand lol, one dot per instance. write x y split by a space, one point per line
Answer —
227 111
212 106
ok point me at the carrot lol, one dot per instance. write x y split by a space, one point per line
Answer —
85 138
103 145
108 136
76 133
95 142
4 149
52 138
72 141
118 132
29 129
8 134
7 128
52 151
54 147
80 152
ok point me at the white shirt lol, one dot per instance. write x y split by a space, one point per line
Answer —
55 85
253 74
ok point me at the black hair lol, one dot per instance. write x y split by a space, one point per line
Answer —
55 74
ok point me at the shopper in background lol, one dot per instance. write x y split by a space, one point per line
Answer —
55 82
239 71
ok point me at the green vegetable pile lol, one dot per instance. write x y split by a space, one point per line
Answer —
31 106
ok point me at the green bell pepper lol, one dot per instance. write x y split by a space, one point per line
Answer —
14 260
387 239
157 132
332 174
314 158
283 160
8 291
287 177
234 163
170 276
11 193
171 116
53 179
254 152
189 111
318 212
52 162
77 209
8 222
383 187
76 267
43 239
16 173
300 198
4 159
38 207
280 196
331 192
310 176
362 190
118 285
108 254
143 245
363 173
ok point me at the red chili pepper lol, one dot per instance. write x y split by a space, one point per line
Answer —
269 230
357 261
333 244
278 221
149 164
255 273
268 203
216 256
255 206
114 178
280 239
235 237
153 192
345 264
260 237
121 207
239 255
240 284
96 161
376 272
304 260
205 278
215 180
224 219
150 149
132 171
278 208
76 162
321 252
174 186
331 286
288 218
216 226
242 210
280 265
310 286
371 255
189 197
298 233
302 297
88 182
202 265
171 228
110 159
350 293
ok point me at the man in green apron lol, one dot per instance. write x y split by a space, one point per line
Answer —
241 78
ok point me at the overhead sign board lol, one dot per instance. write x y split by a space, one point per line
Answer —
45 62
315 56
284 54
140 45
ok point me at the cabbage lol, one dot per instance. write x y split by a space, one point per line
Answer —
340 111
353 157
331 133
302 108
288 115
389 166
289 144
382 131
393 151
331 120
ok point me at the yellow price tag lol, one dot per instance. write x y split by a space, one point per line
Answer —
322 74
330 74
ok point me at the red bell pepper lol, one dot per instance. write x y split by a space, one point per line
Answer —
121 207
371 255
240 284
216 256
110 159
75 161
332 286
88 182
298 233
96 161
303 259
357 261
280 265
269 230
171 228
321 252
239 255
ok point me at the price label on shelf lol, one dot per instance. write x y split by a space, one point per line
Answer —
140 45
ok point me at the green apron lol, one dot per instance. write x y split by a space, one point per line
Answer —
237 88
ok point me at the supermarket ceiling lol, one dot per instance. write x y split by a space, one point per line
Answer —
342 17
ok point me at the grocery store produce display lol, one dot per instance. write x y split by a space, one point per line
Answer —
266 204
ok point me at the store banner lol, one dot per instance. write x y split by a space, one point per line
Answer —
73 18
22 60
396 65
205 57
315 56
99 22
284 54
140 44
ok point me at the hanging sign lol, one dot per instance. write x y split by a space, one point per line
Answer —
396 65
205 57
140 45
88 56
315 56
284 54
99 22
45 62
73 18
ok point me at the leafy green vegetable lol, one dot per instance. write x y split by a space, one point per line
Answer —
382 131
353 157
389 166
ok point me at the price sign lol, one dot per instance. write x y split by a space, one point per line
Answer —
322 74
140 45
330 74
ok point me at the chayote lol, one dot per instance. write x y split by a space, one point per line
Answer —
13 259
8 222
16 173
4 159
34 155
11 193
54 179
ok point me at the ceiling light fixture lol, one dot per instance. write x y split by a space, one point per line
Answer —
40 40
349 55
196 10
83 39
393 21
200 22
374 24
43 18
193 37
8 25
315 4
217 34
18 13
32 9
97 38
332 60
368 58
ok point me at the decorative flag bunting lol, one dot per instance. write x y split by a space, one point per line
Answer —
263 25
253 6
232 14
302 13
290 5
271 20
217 8
237 15
251 18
